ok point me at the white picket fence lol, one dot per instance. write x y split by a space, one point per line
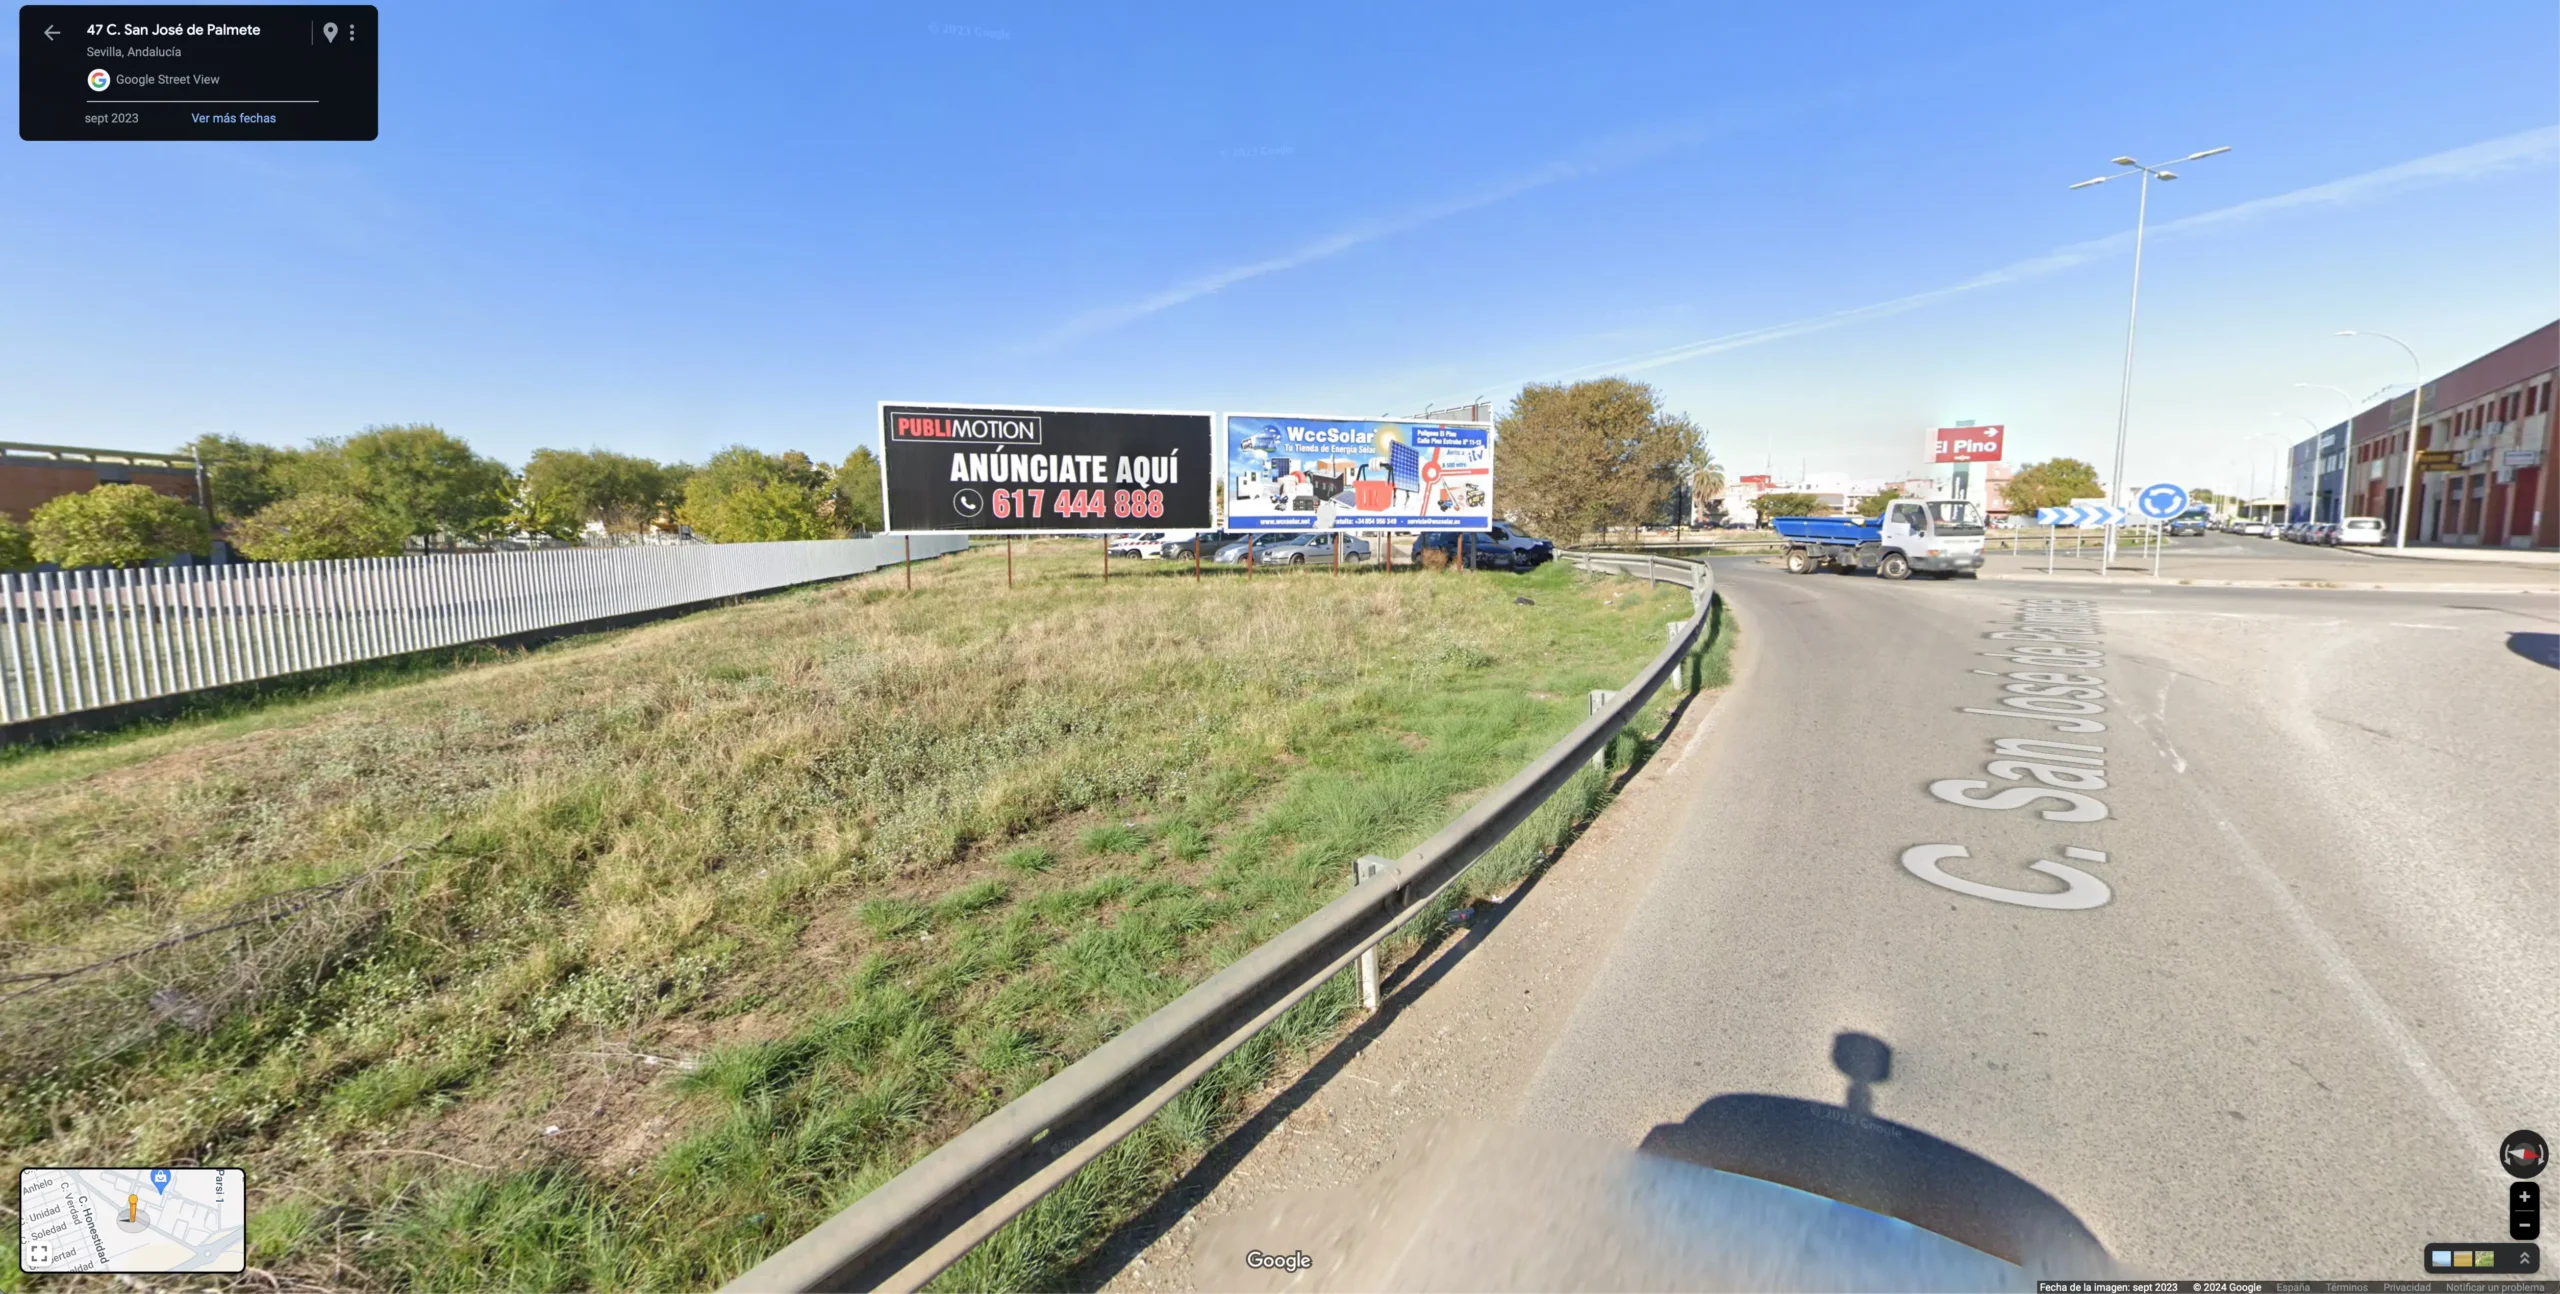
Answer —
78 640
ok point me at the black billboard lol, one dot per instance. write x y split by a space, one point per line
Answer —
1001 470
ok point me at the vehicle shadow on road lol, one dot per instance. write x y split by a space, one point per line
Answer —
1848 1153
1398 988
2540 648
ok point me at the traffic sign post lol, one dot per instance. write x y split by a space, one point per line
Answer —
2161 503
2076 516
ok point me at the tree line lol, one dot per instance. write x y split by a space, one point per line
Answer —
388 490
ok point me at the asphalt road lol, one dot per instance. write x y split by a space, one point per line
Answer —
2320 984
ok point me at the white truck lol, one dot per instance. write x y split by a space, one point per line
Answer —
1940 537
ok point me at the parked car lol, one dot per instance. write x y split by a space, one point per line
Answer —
1314 546
1500 548
2323 533
1132 545
2360 530
1178 543
1233 550
2187 526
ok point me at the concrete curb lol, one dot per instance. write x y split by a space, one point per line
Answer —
2146 581
2521 559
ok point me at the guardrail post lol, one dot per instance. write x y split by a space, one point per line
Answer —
1601 700
1367 868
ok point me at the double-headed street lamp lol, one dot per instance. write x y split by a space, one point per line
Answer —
2124 395
2408 518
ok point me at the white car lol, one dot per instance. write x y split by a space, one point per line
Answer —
2360 530
1134 545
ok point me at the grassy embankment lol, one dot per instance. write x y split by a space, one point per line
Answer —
692 933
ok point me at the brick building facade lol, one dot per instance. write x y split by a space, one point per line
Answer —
31 475
2491 419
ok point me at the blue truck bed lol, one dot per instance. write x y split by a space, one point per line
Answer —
1828 530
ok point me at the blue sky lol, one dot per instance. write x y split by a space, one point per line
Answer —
665 229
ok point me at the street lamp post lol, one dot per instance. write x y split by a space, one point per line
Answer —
2346 441
2133 315
2311 513
2250 448
2408 518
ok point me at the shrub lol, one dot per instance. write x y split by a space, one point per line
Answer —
17 548
317 527
116 525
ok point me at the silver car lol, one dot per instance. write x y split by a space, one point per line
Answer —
1313 546
1261 545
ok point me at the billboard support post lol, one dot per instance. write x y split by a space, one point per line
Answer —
1337 552
1106 560
1195 555
909 565
1008 561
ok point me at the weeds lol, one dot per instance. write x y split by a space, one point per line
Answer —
876 862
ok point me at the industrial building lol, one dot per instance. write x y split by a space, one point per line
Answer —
2484 452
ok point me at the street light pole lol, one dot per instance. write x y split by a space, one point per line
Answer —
2133 315
2407 519
2311 513
2346 442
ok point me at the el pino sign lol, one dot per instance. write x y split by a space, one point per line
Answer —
1969 444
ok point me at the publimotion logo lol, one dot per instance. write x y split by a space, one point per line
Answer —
99 80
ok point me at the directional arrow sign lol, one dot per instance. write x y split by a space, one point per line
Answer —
2162 502
2083 515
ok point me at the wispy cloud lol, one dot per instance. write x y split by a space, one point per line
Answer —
1609 155
2489 157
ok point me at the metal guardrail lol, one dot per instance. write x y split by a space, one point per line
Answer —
918 1223
87 639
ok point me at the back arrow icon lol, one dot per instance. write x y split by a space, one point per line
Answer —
48 31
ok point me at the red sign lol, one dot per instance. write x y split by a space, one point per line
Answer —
1969 444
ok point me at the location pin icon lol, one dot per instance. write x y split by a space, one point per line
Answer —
160 1180
329 32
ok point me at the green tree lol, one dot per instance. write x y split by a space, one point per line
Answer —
2051 484
1874 504
317 527
116 525
743 496
427 481
245 476
565 489
859 508
1574 459
17 547
1786 505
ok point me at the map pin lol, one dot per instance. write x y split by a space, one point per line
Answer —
329 32
160 1180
